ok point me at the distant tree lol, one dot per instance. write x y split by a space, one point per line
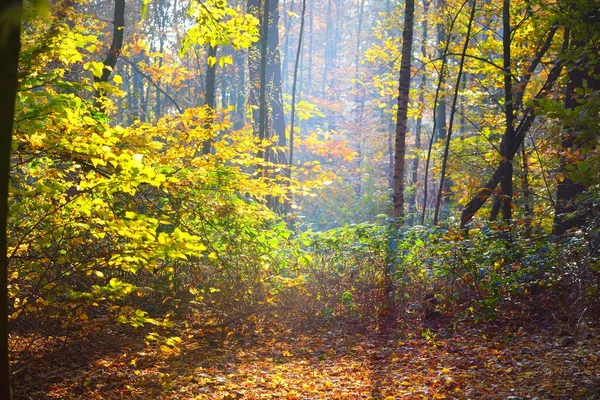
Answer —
294 84
9 59
210 92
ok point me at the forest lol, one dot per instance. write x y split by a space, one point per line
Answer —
299 199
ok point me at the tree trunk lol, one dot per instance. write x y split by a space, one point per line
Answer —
275 83
328 45
310 47
442 187
209 95
507 147
115 48
436 108
286 47
412 202
401 116
581 75
483 194
254 67
526 191
294 83
9 59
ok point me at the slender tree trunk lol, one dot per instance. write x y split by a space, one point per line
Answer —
161 17
310 47
412 203
263 111
209 95
9 59
240 73
328 44
452 114
294 83
526 191
286 47
115 48
254 67
438 89
360 93
441 108
401 117
507 147
275 83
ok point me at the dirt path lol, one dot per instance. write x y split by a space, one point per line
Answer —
476 363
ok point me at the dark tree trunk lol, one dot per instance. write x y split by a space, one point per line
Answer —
275 83
254 67
507 147
401 116
263 113
115 48
9 59
583 73
483 194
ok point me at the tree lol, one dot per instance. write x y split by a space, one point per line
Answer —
274 83
9 56
583 76
419 123
401 116
115 48
526 121
294 83
209 96
452 114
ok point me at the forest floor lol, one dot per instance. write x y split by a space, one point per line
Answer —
475 361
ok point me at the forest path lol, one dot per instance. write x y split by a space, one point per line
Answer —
482 362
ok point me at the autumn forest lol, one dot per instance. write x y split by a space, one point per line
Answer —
299 199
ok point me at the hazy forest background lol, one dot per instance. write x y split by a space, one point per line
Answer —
300 199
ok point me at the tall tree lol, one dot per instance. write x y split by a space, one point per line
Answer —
583 74
436 108
419 123
526 121
9 59
401 116
274 83
507 147
452 114
294 83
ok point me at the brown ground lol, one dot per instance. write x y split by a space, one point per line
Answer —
328 362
